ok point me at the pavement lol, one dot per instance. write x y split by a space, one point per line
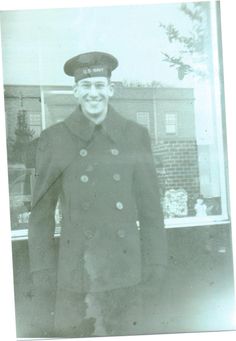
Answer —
196 295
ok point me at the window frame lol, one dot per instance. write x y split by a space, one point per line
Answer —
178 222
175 124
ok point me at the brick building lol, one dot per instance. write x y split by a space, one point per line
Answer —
168 113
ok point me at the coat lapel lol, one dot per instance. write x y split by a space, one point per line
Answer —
83 128
67 138
79 125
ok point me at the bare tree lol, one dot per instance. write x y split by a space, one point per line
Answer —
191 52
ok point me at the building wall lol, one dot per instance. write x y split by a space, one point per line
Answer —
128 101
129 107
176 154
179 162
185 119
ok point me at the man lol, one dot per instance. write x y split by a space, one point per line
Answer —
100 166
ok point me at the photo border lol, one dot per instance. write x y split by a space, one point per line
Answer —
229 58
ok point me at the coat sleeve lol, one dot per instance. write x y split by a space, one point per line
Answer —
153 233
42 219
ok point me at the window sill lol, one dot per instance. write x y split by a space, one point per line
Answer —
170 223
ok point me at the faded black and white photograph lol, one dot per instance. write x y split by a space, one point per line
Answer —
118 177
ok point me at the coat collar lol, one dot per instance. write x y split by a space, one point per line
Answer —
82 127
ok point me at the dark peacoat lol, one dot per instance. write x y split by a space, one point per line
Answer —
112 227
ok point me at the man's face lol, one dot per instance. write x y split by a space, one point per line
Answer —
93 95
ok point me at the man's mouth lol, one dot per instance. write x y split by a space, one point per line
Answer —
94 101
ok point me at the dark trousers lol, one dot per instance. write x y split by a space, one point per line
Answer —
126 311
109 313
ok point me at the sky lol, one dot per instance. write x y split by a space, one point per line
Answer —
36 43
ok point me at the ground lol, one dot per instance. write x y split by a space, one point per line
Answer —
197 295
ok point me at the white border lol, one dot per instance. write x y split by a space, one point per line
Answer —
7 311
6 299
229 58
45 4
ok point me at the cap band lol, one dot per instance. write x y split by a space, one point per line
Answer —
91 71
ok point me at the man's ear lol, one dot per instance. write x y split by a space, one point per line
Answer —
111 89
75 90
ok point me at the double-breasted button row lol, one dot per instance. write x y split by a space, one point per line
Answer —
119 205
83 152
89 234
84 178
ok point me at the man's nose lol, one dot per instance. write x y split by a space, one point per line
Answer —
93 91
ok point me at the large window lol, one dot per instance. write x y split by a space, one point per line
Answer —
181 104
191 171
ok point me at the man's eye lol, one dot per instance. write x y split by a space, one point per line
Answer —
85 86
100 86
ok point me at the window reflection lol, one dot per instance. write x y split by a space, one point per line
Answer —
184 123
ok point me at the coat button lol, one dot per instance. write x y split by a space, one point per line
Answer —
119 205
115 151
121 233
83 152
116 177
84 178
